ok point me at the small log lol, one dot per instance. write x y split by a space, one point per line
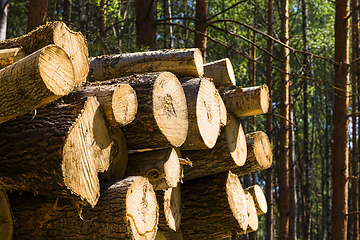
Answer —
221 72
58 151
213 207
118 101
204 113
181 62
73 43
222 111
253 217
228 153
6 217
259 154
162 118
259 199
127 209
9 56
35 81
161 167
247 101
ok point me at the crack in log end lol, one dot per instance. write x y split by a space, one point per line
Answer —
168 106
208 112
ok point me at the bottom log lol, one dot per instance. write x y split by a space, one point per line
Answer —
127 209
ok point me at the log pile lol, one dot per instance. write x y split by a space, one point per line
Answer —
131 146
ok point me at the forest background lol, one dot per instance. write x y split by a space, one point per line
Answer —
300 48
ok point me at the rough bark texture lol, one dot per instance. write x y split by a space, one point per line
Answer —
9 56
73 43
213 207
127 209
119 101
204 113
221 72
181 62
259 199
162 117
161 167
228 153
6 217
37 14
35 81
57 151
259 154
201 10
247 101
146 23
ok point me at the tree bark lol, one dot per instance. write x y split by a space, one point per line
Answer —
228 153
161 167
204 113
37 14
73 43
3 18
213 207
67 10
201 12
182 63
7 220
102 24
146 23
58 151
340 154
9 56
259 199
127 209
221 72
245 102
35 81
162 118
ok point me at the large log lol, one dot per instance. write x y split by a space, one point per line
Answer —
6 217
58 151
253 217
35 81
221 72
161 167
9 56
259 154
259 199
73 43
204 113
247 101
213 207
127 209
228 153
162 117
181 62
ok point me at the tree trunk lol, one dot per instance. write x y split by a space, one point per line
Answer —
3 18
67 10
162 118
58 151
73 43
228 153
182 63
221 72
201 10
37 14
35 81
146 23
9 56
102 24
127 209
213 207
7 219
245 102
284 124
204 113
161 167
259 199
340 154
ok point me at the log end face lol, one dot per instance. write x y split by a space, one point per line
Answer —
259 199
264 98
124 104
119 156
251 210
199 63
172 170
231 73
262 149
235 139
172 207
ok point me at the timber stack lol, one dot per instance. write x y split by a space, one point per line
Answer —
128 146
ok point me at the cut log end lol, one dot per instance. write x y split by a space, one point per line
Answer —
259 199
172 207
6 223
172 170
169 108
222 111
236 142
199 64
237 200
56 70
264 98
262 149
142 209
253 218
221 72
124 104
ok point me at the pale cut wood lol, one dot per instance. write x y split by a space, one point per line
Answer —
9 56
204 113
118 101
127 209
6 217
181 62
213 207
161 167
222 73
247 101
253 217
259 154
162 118
59 151
35 81
73 43
259 199
222 111
228 153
